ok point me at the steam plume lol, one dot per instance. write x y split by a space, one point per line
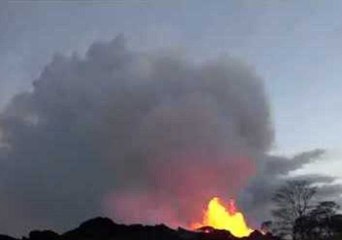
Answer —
140 137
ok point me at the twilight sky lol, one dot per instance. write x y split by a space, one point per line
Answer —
294 46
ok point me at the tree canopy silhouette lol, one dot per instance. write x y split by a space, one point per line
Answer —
292 201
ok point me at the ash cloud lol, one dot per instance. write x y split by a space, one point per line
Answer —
137 136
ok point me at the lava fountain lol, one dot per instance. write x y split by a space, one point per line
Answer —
224 217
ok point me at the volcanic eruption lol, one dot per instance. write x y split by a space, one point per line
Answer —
219 216
140 137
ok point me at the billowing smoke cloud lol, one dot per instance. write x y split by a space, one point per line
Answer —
140 137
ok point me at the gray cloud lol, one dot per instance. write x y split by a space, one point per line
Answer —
140 137
273 172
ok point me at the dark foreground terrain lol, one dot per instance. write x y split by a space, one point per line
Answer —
105 229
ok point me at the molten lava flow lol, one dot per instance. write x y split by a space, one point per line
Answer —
219 217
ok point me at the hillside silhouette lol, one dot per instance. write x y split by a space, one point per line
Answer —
105 229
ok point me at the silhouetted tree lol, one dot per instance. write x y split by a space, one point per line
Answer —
336 225
319 223
292 201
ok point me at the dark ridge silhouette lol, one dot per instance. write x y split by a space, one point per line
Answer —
42 235
4 237
105 229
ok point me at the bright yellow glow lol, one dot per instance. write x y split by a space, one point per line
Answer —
218 216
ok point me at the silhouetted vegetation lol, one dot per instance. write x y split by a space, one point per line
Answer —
298 217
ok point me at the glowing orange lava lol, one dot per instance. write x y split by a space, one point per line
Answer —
220 217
